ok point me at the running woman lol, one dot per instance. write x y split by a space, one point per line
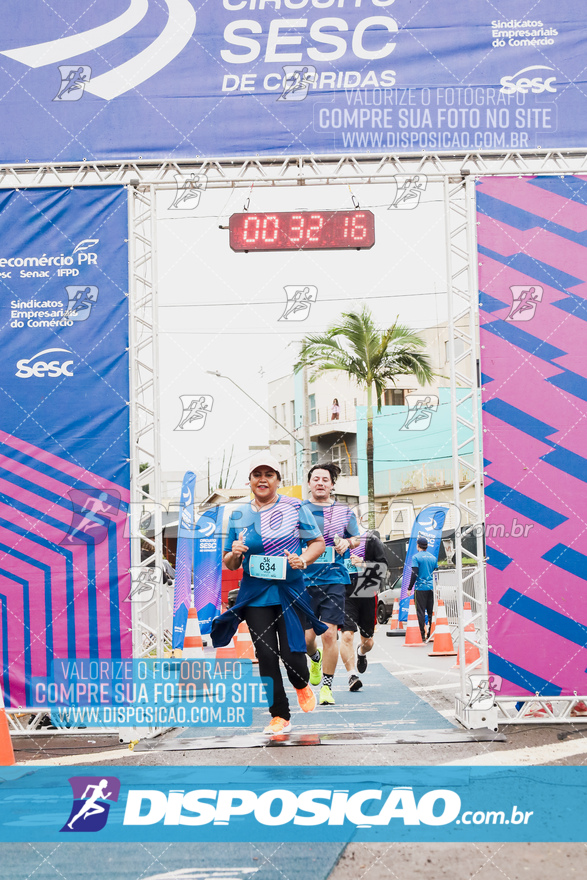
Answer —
327 579
265 537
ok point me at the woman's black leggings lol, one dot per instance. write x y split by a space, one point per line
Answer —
267 628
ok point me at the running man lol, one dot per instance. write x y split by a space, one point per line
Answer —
91 808
328 577
370 564
423 565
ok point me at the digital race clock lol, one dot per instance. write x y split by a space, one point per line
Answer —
302 230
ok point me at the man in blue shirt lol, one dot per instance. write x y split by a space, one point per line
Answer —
423 566
327 578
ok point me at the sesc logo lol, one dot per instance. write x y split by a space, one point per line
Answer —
523 84
40 368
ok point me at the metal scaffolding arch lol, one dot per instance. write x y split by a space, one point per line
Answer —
457 173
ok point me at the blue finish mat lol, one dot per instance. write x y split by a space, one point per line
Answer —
383 705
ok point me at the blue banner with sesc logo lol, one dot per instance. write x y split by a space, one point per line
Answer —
64 431
181 79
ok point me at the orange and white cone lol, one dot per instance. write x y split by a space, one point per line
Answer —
413 635
6 751
192 643
472 653
432 624
395 622
228 652
244 643
442 646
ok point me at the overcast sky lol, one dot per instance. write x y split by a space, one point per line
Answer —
220 310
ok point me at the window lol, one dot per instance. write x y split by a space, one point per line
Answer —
340 456
312 401
293 414
283 415
314 450
394 396
274 415
284 471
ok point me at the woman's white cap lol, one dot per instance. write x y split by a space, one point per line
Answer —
264 458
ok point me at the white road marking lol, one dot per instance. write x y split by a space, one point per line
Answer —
71 760
204 874
528 756
170 42
435 687
40 54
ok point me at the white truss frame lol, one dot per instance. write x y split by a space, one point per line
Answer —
458 172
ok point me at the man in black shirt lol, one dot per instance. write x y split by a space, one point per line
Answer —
360 605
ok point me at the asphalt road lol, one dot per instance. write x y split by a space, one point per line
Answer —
404 690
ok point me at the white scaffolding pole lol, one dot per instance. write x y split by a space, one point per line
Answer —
146 551
462 286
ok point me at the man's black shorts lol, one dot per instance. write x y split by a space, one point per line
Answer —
359 614
327 601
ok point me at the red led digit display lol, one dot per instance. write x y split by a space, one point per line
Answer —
302 230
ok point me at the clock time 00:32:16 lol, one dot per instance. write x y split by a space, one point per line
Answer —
302 230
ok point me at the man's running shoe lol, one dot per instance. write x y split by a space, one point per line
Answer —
306 699
361 662
326 698
579 708
277 725
316 669
355 683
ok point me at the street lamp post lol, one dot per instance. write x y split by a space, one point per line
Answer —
305 452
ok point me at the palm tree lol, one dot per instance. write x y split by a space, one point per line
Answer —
357 347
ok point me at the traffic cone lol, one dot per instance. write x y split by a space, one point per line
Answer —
244 644
413 635
228 652
442 646
6 751
395 623
472 653
432 625
192 643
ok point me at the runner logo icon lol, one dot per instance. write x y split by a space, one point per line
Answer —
90 802
189 189
81 299
409 192
299 302
195 409
74 79
33 366
525 300
421 408
297 82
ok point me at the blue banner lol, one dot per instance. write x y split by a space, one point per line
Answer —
428 524
208 567
180 79
64 430
301 804
184 561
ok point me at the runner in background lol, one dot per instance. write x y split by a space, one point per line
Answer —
360 606
328 577
423 566
265 537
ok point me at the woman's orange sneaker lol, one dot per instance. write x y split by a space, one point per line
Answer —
306 699
278 725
